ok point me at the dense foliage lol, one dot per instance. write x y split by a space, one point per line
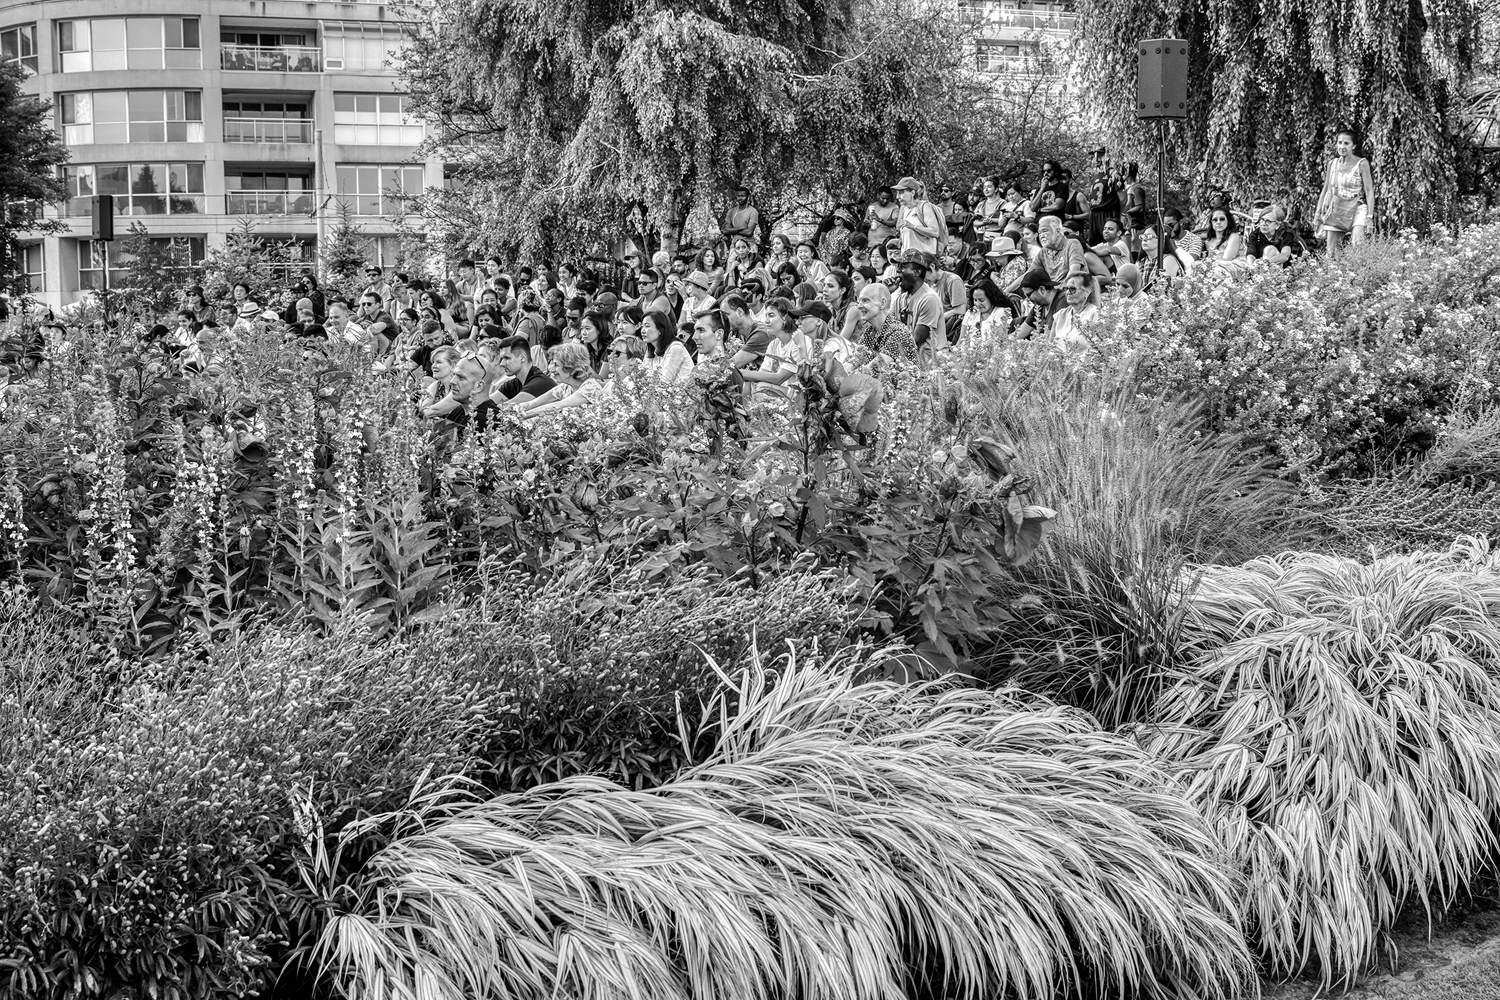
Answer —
31 150
1269 84
561 119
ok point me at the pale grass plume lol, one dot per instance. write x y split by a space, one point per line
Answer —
1340 722
844 842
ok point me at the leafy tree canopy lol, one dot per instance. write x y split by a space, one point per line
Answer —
30 153
563 117
1271 83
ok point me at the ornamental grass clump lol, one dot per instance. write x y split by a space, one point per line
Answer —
1340 723
842 841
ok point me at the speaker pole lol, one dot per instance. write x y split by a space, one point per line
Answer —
1161 171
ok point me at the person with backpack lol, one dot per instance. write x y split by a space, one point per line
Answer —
920 223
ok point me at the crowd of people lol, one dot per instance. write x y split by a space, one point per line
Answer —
905 277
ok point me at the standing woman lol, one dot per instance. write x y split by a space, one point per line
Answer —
1346 206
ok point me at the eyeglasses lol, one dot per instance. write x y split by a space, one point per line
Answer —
620 354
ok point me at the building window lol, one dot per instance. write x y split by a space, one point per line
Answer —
999 57
377 190
131 116
268 51
139 188
18 45
359 48
186 251
374 120
32 266
273 192
129 43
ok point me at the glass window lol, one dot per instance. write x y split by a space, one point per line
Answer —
139 188
129 43
361 47
377 190
33 267
131 116
374 120
186 251
18 45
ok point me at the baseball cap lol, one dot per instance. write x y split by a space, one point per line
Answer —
817 308
919 258
1036 278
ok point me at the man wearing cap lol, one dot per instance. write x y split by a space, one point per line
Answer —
1039 301
917 306
375 281
878 328
742 219
919 222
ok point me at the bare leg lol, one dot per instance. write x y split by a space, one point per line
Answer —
1335 241
1358 237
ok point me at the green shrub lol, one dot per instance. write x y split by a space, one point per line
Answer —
148 810
842 841
1340 725
1337 366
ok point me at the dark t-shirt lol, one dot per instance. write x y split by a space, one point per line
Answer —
1061 193
759 341
535 385
479 420
1258 242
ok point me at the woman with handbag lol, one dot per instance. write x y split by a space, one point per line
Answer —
1346 206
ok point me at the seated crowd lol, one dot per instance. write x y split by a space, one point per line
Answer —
903 277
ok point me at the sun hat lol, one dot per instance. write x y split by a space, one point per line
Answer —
907 184
701 279
1003 246
843 213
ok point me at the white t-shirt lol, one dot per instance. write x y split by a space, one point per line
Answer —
783 356
1066 324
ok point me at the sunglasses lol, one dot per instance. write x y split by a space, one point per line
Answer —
620 354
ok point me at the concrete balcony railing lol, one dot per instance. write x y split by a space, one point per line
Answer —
269 202
271 59
277 131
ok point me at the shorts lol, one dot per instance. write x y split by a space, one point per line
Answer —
1361 218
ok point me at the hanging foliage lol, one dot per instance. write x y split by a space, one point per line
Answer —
1270 84
559 118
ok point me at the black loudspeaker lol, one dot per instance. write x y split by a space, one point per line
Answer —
103 218
1161 68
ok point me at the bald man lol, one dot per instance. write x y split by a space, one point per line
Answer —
879 329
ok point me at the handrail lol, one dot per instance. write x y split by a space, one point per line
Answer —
271 58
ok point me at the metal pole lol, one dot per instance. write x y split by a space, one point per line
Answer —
104 289
1161 170
319 197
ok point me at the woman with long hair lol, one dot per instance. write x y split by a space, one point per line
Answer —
837 292
989 313
1222 241
594 334
811 268
1152 238
665 354
1346 205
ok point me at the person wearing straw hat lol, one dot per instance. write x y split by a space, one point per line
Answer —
698 297
1007 263
835 244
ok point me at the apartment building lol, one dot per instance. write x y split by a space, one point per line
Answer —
1008 31
198 114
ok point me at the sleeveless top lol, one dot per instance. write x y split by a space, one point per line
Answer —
1348 184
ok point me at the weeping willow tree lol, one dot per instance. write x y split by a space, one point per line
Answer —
1271 83
564 120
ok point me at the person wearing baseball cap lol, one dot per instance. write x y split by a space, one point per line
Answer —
917 305
919 223
1039 301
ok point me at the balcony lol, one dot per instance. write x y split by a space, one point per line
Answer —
271 59
277 131
269 202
